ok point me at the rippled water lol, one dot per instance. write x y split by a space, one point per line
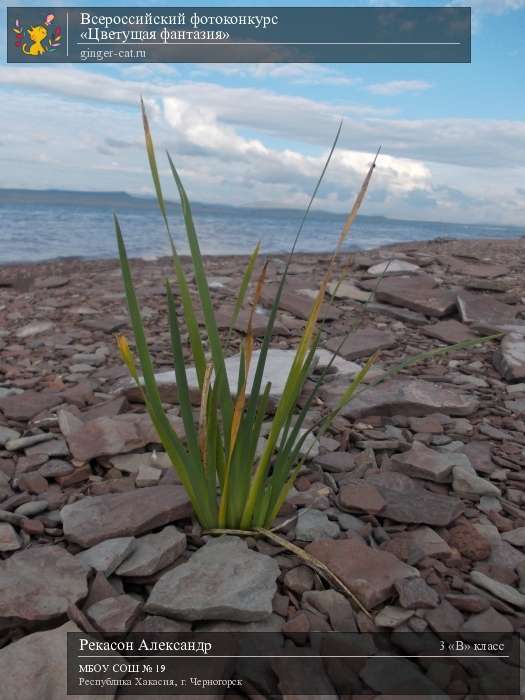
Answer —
31 232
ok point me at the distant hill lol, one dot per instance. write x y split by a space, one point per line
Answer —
123 200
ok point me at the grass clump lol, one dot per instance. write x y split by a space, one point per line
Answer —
216 461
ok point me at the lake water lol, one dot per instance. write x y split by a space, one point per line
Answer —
32 232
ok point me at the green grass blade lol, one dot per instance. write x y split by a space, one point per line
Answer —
224 395
183 393
167 435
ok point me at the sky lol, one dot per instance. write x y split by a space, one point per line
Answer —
452 136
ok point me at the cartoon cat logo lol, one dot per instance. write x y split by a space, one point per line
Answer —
35 40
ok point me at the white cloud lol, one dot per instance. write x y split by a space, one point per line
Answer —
296 73
398 87
227 143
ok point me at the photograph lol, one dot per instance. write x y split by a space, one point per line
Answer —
262 350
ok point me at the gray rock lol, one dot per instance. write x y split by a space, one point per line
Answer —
393 267
409 397
276 370
115 615
21 443
515 537
509 360
500 590
223 580
36 667
154 552
313 524
466 481
39 584
392 616
108 555
97 518
32 508
416 593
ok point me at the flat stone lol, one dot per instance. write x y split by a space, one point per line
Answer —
25 406
313 524
483 312
153 624
466 481
417 293
346 290
105 436
107 556
362 497
515 537
392 616
97 518
332 605
407 502
398 312
115 615
154 552
487 622
416 593
445 618
224 580
450 331
423 542
9 540
369 573
299 580
409 397
277 368
36 667
500 590
336 462
421 462
509 359
393 267
479 269
362 343
34 328
298 304
38 584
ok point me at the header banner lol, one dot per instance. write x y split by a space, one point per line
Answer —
263 34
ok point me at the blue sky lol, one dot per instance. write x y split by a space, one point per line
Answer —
453 136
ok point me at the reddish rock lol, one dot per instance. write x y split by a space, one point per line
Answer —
115 615
38 584
24 407
33 482
449 332
361 496
469 542
97 518
362 343
370 574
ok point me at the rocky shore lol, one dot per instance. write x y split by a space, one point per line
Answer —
415 498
